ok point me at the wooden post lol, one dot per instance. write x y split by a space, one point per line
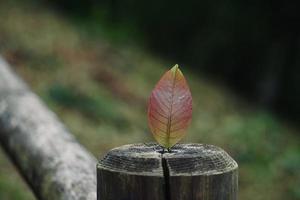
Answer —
188 172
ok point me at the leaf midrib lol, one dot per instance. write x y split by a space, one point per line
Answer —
169 123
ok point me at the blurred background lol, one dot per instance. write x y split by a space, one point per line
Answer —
95 63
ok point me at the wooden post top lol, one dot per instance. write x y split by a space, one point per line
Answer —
187 172
182 160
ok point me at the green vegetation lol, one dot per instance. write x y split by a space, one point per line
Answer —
100 90
11 185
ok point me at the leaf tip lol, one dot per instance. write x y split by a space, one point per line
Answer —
175 70
175 67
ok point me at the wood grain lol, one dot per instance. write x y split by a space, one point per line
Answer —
188 172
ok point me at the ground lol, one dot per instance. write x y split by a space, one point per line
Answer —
99 88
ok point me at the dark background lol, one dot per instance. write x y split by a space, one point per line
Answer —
252 46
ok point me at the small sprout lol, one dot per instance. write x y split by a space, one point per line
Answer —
170 108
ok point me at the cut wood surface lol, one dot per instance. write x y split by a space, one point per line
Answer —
53 163
188 172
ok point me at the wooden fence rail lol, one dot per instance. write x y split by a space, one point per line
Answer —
47 155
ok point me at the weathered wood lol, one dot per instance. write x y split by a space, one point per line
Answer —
188 172
198 171
47 155
131 172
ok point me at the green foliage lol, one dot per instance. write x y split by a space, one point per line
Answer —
295 191
11 185
290 161
94 107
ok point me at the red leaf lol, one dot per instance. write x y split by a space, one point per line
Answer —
170 108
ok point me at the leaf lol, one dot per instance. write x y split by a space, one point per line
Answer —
170 108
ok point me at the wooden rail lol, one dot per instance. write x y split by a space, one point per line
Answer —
53 163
